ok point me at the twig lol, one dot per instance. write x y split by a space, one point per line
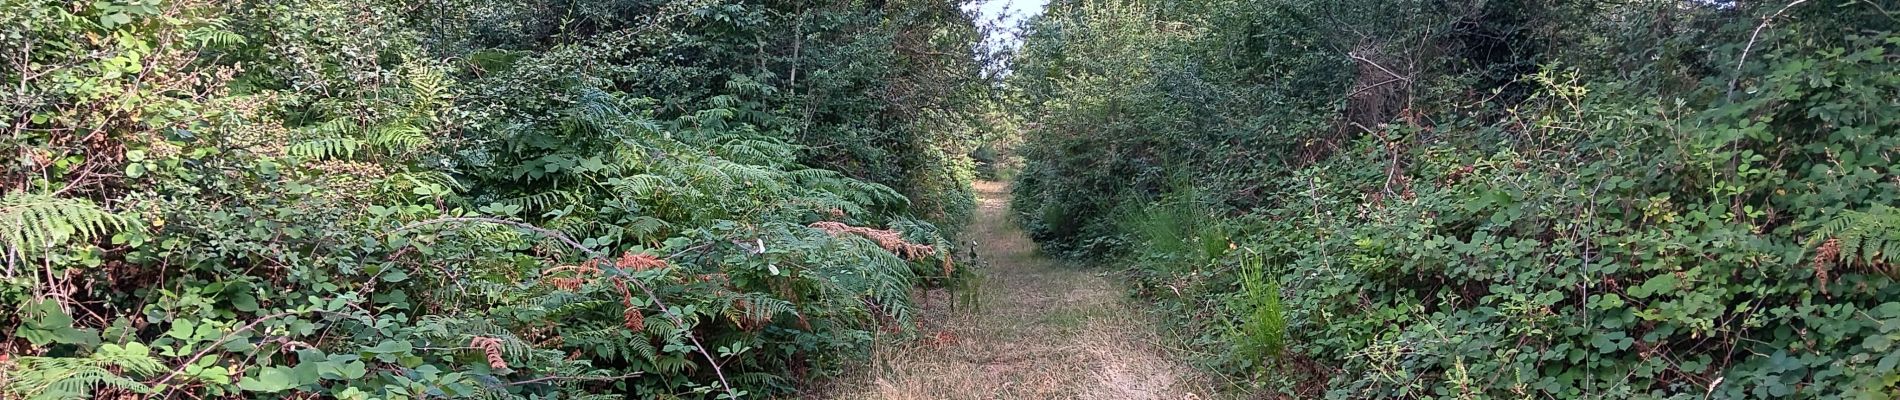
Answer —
215 345
11 262
1751 45
1387 71
572 378
1356 93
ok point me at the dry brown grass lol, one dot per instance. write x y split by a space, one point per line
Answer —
1041 331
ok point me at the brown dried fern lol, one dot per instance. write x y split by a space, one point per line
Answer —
1824 259
639 261
491 348
890 240
634 320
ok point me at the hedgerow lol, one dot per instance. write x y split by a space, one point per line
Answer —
1349 199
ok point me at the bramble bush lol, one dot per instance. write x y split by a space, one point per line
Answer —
1658 199
511 199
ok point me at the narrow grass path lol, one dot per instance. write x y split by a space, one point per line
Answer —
1038 330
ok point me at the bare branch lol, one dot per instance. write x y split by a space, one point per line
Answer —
1407 79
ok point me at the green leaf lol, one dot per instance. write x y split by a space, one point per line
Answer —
1611 342
269 380
301 327
1878 343
390 347
182 329
592 164
244 302
341 367
1658 284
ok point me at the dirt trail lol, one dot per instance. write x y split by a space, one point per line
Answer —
1039 331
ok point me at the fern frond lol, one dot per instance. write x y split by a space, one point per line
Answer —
328 148
645 185
31 222
749 175
77 378
400 138
215 34
428 87
1868 239
706 173
758 379
436 181
813 175
337 127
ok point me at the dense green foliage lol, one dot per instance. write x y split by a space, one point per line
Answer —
494 199
1516 199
